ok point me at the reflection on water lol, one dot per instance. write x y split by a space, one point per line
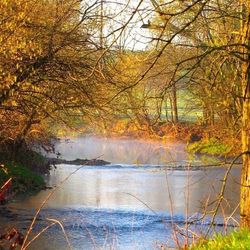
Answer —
123 206
131 188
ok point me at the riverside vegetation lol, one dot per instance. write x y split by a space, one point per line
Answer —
237 240
60 71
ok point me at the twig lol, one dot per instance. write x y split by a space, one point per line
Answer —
222 192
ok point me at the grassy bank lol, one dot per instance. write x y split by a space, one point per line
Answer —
237 240
210 146
24 179
26 169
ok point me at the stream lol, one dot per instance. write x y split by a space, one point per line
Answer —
133 203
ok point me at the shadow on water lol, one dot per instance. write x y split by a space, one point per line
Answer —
124 205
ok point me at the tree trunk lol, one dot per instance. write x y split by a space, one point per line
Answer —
245 175
175 108
171 107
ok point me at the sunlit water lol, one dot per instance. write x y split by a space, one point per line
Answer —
132 203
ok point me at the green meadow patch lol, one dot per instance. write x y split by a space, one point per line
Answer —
237 240
210 146
24 180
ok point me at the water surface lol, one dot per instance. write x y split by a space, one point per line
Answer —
133 203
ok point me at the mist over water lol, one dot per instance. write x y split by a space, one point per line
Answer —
122 151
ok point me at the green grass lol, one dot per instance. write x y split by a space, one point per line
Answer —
24 180
237 240
189 108
210 146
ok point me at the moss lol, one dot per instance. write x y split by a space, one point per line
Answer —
24 180
210 146
234 241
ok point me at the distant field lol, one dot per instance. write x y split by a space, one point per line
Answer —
189 109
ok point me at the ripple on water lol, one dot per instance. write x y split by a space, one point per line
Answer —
87 227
